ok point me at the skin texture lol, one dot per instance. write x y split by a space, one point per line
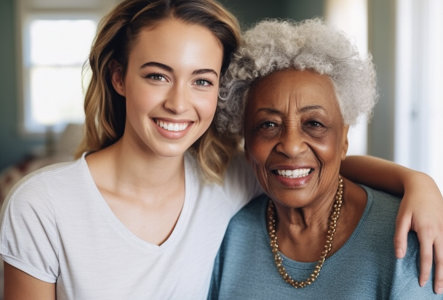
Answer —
294 124
174 87
19 285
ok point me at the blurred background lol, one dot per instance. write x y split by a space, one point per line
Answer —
46 42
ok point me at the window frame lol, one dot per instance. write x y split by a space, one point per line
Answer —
26 12
417 55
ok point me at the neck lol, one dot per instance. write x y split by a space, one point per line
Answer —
302 231
126 170
311 217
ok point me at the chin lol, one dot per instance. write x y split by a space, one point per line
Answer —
172 151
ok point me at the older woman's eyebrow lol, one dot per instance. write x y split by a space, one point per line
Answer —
311 107
269 110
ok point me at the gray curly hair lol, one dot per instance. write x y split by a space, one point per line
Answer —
274 45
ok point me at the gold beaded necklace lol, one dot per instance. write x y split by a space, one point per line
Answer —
333 218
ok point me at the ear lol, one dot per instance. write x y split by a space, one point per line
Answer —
117 79
345 142
245 149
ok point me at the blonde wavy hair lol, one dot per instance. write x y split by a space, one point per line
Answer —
105 109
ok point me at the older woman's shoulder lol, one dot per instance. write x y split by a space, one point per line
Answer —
253 212
381 198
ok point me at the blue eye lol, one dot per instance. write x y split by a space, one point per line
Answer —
203 82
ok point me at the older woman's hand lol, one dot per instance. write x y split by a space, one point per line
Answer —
426 221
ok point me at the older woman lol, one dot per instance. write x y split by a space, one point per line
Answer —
313 234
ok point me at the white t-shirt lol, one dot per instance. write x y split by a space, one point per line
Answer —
57 227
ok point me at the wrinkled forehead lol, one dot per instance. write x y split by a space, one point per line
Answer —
293 88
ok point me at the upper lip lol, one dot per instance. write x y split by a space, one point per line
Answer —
169 120
289 167
275 168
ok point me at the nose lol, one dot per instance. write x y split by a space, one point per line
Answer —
177 99
291 143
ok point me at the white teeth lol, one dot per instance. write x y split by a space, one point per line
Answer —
172 126
297 173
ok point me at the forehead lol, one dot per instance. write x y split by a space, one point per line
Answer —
287 87
172 40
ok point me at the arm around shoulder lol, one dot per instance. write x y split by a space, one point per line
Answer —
420 210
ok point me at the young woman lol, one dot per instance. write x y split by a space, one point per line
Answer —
142 212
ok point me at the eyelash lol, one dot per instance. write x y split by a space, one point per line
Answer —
161 77
155 76
268 125
315 124
203 82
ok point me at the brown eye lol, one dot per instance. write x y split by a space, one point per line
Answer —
268 125
315 124
156 77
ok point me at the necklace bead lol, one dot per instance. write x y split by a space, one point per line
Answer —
278 260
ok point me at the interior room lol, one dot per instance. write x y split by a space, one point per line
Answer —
45 44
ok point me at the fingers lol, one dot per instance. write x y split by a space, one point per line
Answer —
403 225
438 271
426 250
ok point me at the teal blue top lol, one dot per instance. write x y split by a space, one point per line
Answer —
365 267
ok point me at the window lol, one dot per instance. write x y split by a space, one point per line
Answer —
55 38
419 102
351 17
55 51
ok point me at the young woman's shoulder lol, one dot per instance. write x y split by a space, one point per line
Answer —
43 184
240 179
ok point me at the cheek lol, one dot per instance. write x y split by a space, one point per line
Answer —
140 97
329 149
258 152
206 106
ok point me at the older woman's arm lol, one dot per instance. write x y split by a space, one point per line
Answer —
421 209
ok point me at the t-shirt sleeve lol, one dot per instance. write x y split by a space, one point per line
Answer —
240 182
28 236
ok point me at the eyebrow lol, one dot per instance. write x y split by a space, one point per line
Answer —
169 69
312 107
303 109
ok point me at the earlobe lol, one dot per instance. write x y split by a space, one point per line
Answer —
345 142
245 150
116 71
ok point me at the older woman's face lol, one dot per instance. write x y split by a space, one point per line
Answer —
295 137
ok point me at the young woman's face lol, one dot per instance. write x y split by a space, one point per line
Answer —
171 86
295 137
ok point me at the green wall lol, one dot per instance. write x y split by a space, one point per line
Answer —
251 11
381 27
13 145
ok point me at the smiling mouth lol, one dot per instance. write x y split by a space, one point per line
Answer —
172 126
296 173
